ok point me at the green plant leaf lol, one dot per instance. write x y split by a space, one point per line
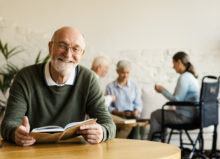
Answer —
8 73
9 53
46 58
14 51
38 60
2 49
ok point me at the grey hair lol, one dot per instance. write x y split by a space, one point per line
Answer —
122 64
101 60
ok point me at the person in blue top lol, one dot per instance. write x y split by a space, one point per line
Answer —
187 89
128 103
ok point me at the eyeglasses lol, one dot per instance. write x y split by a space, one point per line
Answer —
64 47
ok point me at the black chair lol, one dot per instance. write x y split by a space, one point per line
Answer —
208 115
215 153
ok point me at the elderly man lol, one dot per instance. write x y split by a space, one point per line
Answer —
57 93
100 67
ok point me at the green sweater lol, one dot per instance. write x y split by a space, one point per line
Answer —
53 105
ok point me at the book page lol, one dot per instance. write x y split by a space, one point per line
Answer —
48 129
76 123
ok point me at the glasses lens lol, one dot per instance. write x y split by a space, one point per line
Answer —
65 47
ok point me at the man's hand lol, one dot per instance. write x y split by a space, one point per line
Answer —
135 113
128 114
113 98
22 136
92 133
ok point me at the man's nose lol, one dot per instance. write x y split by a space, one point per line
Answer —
68 53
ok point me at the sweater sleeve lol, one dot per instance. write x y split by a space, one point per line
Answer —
180 90
96 108
16 109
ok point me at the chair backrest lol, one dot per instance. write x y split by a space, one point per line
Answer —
209 101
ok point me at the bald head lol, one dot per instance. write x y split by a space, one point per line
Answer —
70 33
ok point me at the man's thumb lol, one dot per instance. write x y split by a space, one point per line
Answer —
25 122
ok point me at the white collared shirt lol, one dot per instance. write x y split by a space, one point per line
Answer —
50 81
128 97
108 98
97 76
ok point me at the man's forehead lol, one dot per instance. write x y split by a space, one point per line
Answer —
67 33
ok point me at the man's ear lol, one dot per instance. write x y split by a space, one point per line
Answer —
50 47
83 53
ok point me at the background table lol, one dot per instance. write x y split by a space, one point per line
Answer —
137 124
112 149
124 129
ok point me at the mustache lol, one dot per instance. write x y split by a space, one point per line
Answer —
66 59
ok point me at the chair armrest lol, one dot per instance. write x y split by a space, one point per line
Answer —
178 104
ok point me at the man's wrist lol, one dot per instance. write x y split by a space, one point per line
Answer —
104 137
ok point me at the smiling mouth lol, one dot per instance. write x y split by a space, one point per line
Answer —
65 60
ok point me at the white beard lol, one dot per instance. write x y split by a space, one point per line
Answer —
63 68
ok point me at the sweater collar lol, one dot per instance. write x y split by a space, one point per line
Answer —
50 81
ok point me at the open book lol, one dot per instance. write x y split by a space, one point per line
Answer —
47 134
120 120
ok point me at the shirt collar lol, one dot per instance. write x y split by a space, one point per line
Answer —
50 81
97 76
118 85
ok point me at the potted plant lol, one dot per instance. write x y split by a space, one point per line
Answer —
9 70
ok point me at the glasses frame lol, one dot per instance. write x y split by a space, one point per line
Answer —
65 47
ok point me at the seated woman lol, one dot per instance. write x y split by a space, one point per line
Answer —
187 89
128 103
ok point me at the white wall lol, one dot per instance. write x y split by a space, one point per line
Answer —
146 32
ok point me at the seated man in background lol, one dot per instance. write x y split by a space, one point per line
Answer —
57 93
128 103
100 67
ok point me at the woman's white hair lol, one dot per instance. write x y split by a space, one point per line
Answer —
122 64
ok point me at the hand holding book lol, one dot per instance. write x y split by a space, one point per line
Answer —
92 133
48 134
22 136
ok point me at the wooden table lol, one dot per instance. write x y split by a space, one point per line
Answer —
112 149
